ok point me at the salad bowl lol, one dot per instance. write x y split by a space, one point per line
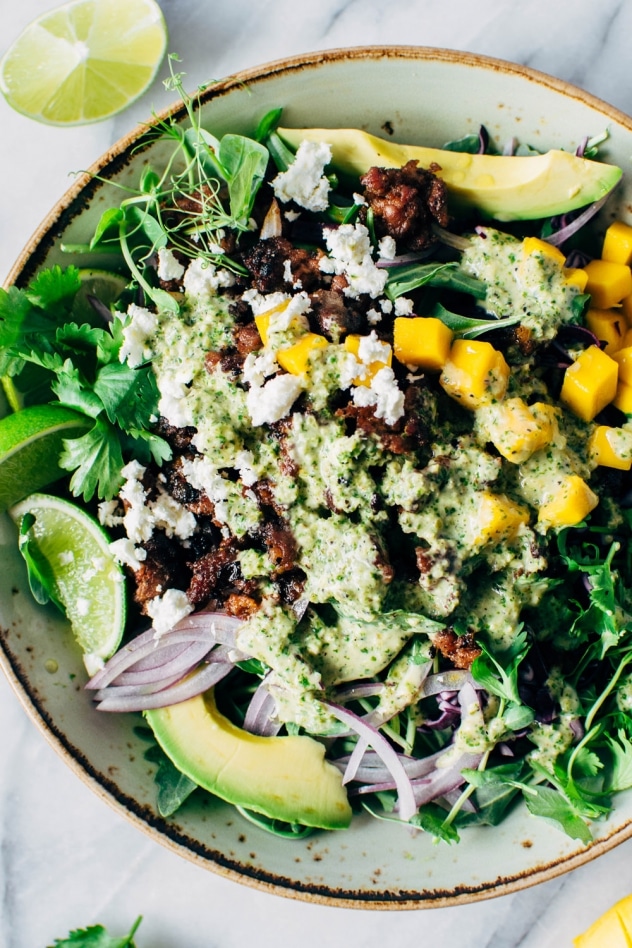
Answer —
414 95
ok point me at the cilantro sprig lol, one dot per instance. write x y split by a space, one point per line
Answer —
85 373
96 936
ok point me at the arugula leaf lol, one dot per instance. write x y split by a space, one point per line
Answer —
469 327
276 827
174 787
96 936
405 279
620 777
431 819
96 460
549 804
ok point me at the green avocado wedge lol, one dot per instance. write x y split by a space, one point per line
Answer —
285 778
502 187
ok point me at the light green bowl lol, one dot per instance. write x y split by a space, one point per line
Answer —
417 95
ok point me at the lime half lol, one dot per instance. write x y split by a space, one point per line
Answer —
84 61
78 570
31 442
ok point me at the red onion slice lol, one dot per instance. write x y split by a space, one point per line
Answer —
405 796
259 714
444 779
186 659
196 684
565 232
355 760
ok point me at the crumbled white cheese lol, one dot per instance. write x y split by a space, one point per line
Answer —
174 403
273 400
371 349
257 368
349 369
203 279
384 394
387 249
142 515
166 611
124 551
169 267
358 199
349 249
203 475
386 306
373 317
262 302
172 517
403 306
244 461
304 181
109 513
291 216
137 332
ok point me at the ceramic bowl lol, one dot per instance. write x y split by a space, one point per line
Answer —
415 95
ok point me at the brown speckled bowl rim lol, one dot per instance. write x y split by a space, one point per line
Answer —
161 830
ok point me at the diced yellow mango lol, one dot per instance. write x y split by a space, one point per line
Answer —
262 320
626 308
423 341
613 929
626 342
623 358
608 282
590 383
623 398
609 326
516 430
611 447
475 373
352 344
572 502
617 243
497 518
575 276
535 245
295 359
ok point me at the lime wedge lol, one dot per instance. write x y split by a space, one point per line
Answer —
76 565
84 61
30 446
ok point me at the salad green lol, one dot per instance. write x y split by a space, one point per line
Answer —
338 533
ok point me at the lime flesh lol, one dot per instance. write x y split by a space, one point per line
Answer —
31 442
84 576
84 61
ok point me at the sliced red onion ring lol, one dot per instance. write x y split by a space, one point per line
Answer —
187 658
450 239
373 770
565 232
444 779
406 801
366 689
259 717
355 760
196 684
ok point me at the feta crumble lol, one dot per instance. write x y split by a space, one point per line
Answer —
387 249
349 249
403 306
273 400
125 552
166 611
137 332
304 181
257 368
203 279
384 394
169 268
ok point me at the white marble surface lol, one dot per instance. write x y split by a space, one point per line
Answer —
66 859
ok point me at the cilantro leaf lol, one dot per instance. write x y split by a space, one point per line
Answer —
129 396
431 819
54 290
73 391
549 804
96 936
146 446
96 460
499 673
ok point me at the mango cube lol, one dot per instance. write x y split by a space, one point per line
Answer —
623 358
608 282
516 430
352 344
535 245
623 398
572 502
609 326
617 243
423 341
475 373
497 518
295 359
590 383
611 447
575 276
626 309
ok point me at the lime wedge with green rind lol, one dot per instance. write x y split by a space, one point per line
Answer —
81 574
31 441
84 61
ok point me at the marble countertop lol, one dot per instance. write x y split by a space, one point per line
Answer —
66 859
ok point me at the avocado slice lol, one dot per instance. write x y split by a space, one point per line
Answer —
285 778
503 187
